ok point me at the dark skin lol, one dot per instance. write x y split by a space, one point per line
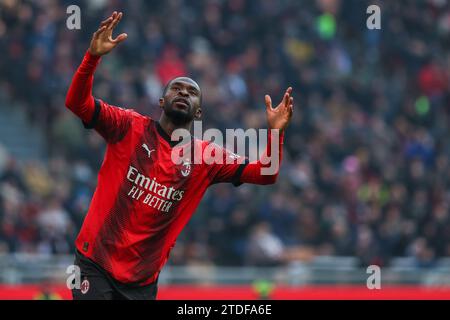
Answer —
181 102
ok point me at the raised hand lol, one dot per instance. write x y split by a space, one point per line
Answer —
279 117
102 41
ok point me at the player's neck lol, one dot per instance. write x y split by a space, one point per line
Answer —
168 126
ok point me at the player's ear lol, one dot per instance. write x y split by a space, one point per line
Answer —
198 113
161 102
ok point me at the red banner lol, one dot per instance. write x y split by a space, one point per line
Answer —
191 292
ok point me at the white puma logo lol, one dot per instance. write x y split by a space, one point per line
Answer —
149 152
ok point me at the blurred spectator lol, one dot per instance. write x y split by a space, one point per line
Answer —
264 247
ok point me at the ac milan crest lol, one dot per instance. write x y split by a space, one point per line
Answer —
186 168
84 286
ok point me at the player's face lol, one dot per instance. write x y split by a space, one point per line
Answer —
181 101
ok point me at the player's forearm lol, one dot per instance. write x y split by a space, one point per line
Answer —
79 97
266 169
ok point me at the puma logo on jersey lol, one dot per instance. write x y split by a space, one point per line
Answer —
149 152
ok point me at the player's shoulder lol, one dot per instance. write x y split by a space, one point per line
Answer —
137 117
128 111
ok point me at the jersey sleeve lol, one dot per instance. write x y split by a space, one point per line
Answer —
266 170
226 165
111 122
262 172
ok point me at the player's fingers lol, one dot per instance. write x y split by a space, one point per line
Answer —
284 102
114 17
99 31
268 101
106 22
289 90
287 96
116 20
291 106
121 37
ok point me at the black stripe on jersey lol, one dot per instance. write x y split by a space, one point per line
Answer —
163 134
236 181
91 124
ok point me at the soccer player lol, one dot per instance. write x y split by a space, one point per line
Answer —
143 200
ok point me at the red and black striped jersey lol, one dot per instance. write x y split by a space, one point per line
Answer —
143 200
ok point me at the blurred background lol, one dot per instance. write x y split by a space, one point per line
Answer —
365 177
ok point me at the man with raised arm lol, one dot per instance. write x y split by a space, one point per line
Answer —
143 199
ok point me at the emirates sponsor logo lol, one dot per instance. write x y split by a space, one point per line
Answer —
152 193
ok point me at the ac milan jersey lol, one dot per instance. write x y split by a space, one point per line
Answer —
143 200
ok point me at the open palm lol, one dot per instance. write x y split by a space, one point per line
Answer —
279 117
102 41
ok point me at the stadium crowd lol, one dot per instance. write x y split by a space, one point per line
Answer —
366 168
